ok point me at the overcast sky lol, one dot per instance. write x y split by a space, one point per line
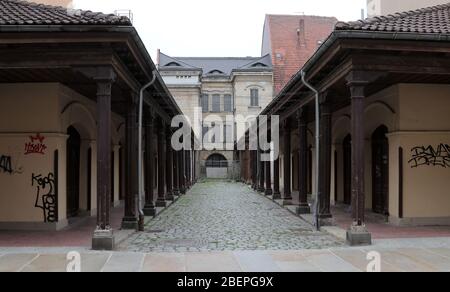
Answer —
213 27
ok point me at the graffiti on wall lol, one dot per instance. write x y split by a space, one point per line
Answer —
5 164
430 156
45 195
9 165
35 145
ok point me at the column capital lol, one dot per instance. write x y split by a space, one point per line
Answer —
324 97
362 78
103 74
300 114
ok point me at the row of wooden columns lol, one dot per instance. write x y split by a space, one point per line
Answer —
174 175
175 168
261 177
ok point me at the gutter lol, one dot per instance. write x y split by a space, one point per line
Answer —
317 113
140 192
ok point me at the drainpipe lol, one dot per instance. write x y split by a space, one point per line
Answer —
140 193
316 92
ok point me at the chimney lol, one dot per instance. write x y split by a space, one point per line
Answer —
158 52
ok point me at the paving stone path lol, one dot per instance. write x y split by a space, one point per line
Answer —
222 216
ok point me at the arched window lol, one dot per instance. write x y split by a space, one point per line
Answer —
216 160
215 72
259 65
173 64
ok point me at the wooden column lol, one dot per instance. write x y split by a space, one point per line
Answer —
182 172
357 82
130 220
303 207
276 179
169 166
325 161
176 173
149 208
103 238
254 166
287 196
267 171
188 169
261 177
161 201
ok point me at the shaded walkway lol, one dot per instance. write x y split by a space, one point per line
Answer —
218 215
79 235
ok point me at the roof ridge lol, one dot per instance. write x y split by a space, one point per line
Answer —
398 15
70 11
180 61
217 58
301 15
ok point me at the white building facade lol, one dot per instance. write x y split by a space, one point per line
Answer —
221 90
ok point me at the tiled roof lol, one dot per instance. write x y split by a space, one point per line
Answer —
15 12
224 65
434 19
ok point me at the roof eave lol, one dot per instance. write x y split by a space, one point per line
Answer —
353 34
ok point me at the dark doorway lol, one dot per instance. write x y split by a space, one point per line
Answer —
216 161
347 150
73 172
380 171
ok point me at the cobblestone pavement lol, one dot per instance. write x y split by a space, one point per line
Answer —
218 216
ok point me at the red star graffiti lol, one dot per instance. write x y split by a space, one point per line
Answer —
36 145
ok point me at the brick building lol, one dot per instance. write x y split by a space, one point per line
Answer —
291 40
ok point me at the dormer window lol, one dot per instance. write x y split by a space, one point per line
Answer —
173 64
260 65
216 72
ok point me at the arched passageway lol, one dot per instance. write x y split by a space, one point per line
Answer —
380 171
73 172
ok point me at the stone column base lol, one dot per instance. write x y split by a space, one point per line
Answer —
129 223
303 209
260 190
287 202
103 240
183 191
161 203
268 192
176 192
358 236
276 196
170 197
150 211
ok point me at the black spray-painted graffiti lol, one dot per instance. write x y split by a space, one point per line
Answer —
5 164
429 156
9 165
45 195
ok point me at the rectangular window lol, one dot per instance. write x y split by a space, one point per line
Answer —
254 97
228 134
205 103
213 133
205 132
227 103
216 103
